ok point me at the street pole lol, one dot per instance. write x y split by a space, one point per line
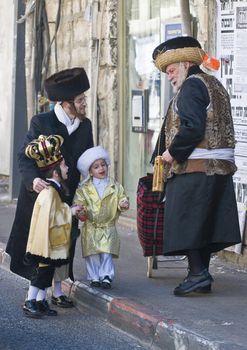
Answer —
186 16
19 120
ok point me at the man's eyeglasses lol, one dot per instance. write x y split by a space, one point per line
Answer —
80 100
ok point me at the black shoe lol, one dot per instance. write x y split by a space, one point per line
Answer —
62 301
96 284
206 289
30 309
106 282
192 282
44 308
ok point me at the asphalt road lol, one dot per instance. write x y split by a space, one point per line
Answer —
71 329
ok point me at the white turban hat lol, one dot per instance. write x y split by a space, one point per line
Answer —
89 157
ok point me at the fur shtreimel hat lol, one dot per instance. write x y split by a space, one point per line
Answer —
66 84
45 151
89 157
179 49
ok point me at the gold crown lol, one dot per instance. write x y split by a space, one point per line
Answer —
45 150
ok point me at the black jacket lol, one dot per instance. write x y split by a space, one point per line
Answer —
192 113
74 145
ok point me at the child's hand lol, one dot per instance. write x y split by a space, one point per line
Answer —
124 204
75 209
82 214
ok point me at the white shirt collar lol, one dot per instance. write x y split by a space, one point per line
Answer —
100 185
56 182
63 117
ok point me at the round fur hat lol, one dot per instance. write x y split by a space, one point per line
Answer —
179 49
66 84
89 157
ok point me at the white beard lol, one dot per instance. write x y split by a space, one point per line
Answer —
183 72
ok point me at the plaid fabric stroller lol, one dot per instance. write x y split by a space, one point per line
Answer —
150 217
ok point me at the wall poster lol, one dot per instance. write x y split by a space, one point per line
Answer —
232 52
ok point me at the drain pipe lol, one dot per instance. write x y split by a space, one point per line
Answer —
97 16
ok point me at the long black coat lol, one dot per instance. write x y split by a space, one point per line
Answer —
200 210
74 145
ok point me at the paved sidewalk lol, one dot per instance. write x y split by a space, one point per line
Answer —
147 308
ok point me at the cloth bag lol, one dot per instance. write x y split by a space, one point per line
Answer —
150 217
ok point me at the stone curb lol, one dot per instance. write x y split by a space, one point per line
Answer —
135 319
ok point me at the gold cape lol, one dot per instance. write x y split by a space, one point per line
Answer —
49 234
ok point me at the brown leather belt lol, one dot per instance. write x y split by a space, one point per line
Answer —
196 165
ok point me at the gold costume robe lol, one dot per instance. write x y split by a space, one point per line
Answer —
98 232
49 235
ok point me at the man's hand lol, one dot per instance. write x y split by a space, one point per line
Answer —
39 184
167 157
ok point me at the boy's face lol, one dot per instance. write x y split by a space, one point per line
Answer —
64 170
99 169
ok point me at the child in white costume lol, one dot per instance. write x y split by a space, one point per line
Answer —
103 199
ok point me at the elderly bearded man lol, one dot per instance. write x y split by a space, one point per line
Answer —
198 144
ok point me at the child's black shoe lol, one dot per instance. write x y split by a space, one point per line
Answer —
95 284
30 309
106 282
44 308
62 301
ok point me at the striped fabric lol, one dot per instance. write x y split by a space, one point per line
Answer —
148 208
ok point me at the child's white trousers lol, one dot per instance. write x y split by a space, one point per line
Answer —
98 266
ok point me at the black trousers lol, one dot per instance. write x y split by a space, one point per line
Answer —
198 259
42 277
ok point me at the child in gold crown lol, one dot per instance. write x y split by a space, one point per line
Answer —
102 199
49 236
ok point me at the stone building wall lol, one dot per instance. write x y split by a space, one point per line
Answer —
107 87
206 19
87 36
71 45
